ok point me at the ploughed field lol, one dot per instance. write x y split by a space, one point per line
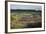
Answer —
25 19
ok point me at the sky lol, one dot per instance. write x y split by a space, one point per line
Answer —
34 7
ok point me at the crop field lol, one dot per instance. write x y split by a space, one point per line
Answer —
26 19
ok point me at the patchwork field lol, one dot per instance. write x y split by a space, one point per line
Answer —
26 19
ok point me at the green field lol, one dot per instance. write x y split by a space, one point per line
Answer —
25 19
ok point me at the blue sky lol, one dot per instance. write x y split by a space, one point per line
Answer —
13 6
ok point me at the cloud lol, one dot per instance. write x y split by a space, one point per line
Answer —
13 6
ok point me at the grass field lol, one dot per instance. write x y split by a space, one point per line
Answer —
26 19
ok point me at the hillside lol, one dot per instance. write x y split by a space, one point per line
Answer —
25 18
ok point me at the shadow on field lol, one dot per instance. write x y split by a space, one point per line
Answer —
35 25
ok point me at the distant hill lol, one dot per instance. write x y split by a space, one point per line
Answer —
20 10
